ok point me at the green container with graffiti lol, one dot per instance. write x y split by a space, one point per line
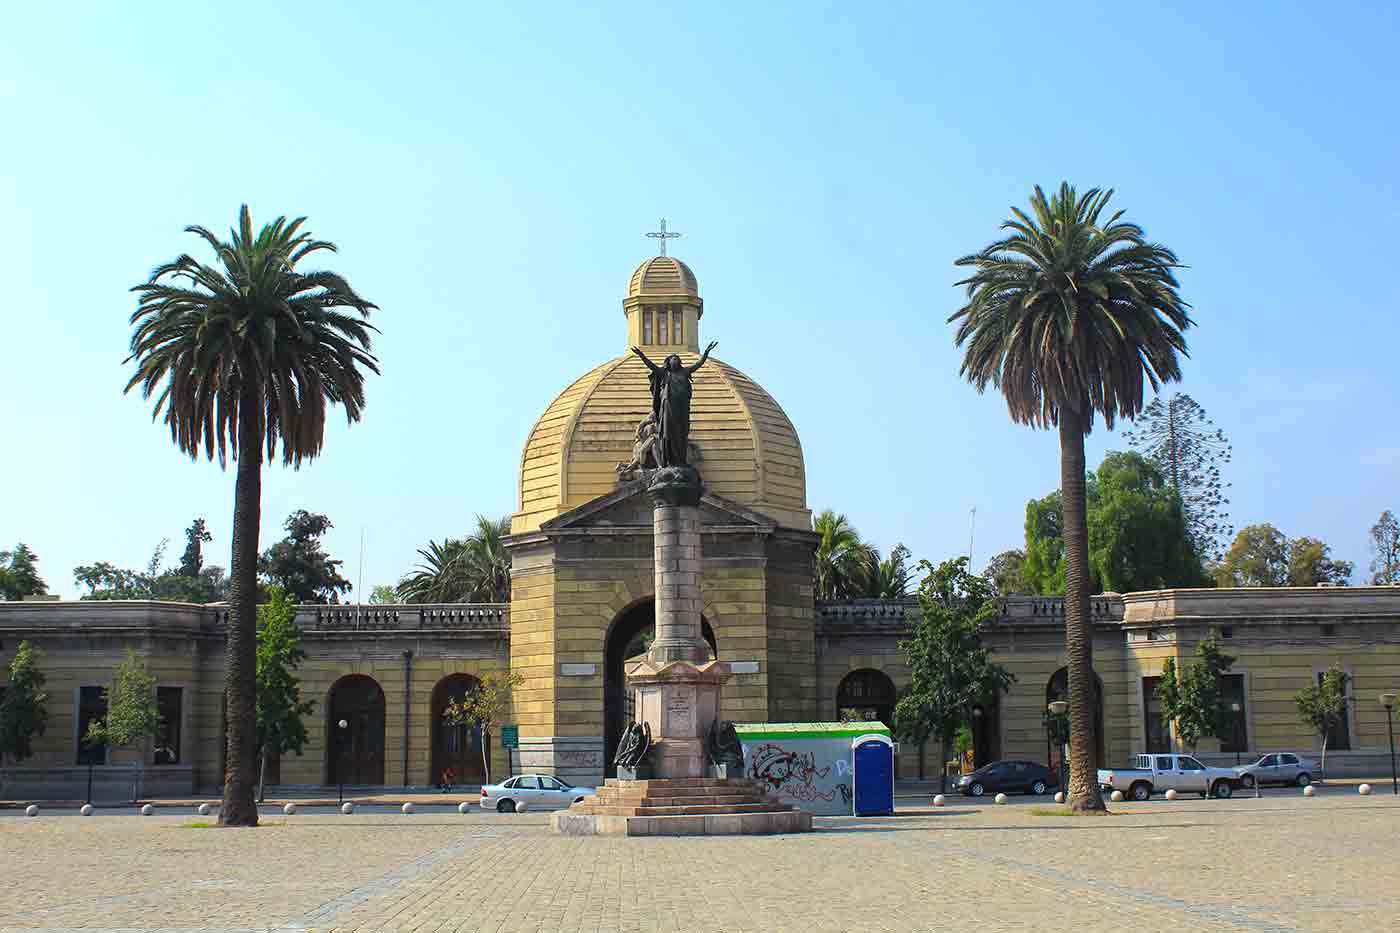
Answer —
806 764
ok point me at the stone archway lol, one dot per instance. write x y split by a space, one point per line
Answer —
628 636
866 694
355 754
455 747
1057 688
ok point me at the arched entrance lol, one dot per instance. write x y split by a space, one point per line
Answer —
356 753
455 747
1058 689
986 731
866 694
629 636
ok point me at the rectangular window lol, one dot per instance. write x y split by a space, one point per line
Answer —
1159 737
646 327
1235 736
678 327
92 706
169 702
1339 733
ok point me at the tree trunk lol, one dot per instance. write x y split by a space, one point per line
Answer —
943 767
262 774
239 807
1324 755
485 757
1083 794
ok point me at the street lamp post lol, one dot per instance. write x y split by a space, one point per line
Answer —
340 771
1388 701
1235 721
1057 709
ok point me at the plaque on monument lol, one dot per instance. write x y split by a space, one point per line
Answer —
680 712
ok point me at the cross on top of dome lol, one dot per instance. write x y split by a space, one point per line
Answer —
663 236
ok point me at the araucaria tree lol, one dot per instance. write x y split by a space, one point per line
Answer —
1323 705
1068 316
1385 545
951 671
1194 700
300 565
281 710
24 710
1189 449
484 708
132 714
19 577
242 357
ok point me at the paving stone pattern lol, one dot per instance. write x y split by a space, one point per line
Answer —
1276 864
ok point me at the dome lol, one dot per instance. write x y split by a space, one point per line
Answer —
748 449
663 276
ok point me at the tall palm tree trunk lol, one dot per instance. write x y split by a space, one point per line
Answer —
1079 636
239 807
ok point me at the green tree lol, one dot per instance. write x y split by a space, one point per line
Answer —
440 578
281 710
1189 449
132 714
462 570
881 578
1006 573
24 711
192 561
1385 544
951 670
1261 555
300 565
1194 699
487 563
242 357
1310 563
105 580
1068 316
19 577
1138 536
1323 705
1043 570
383 594
839 554
484 708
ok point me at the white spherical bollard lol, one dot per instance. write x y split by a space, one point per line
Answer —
1364 790
522 807
1116 796
203 809
1171 793
1308 791
32 810
407 807
290 809
1059 796
1000 798
464 807
347 808
939 800
85 809
147 810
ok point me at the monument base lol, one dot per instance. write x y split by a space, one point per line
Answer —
678 701
680 807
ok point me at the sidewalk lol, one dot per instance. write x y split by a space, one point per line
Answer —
314 797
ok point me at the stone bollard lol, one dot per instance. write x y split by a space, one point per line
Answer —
1059 796
347 808
85 809
522 807
1171 793
203 809
1308 791
464 807
1000 799
147 810
290 809
1364 790
1116 796
939 800
32 810
407 807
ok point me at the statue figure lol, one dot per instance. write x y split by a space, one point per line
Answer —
633 747
723 745
643 451
670 403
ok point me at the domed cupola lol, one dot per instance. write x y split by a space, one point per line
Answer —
663 307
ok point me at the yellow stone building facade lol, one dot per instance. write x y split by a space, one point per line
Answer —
581 602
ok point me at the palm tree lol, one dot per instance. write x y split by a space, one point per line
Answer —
488 565
243 356
440 578
460 570
1067 316
875 578
839 551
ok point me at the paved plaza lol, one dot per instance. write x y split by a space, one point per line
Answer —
1278 863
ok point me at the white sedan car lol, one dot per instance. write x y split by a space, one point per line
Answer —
537 791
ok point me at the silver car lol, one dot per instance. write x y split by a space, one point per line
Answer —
536 791
1278 768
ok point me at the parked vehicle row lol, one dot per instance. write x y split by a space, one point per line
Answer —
1027 777
1280 768
536 791
1157 774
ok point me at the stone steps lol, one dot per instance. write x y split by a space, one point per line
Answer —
612 809
637 800
571 823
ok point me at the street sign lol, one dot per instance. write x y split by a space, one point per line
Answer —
510 736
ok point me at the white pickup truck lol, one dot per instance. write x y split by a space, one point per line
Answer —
1157 774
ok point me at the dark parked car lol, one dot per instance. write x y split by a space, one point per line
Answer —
1008 776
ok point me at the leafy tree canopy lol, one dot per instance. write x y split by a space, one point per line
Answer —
1006 573
1261 555
192 561
105 580
1385 545
281 712
1194 700
19 577
1323 705
383 594
300 565
24 710
485 708
132 713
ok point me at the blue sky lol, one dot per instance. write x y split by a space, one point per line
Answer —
488 174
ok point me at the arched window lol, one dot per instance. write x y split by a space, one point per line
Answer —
356 751
866 694
457 748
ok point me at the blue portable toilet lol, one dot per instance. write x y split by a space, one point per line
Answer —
873 774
